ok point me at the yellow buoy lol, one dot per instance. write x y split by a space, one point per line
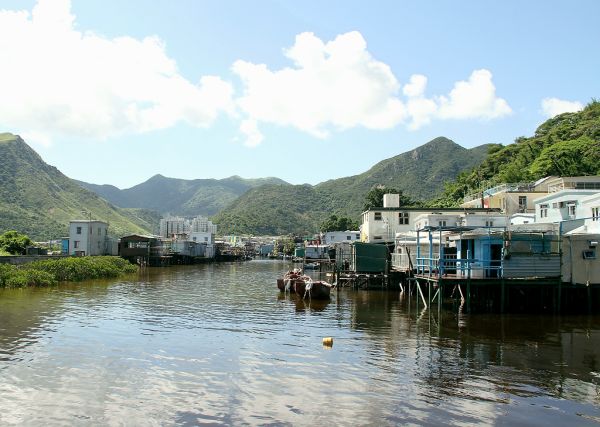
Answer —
328 341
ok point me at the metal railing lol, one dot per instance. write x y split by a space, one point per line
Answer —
461 267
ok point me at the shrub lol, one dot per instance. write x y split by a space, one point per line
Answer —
16 277
49 272
77 269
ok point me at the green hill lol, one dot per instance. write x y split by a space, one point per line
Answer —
37 199
420 174
180 196
565 145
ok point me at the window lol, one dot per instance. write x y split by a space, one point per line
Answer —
377 216
489 223
348 237
589 254
442 223
78 230
596 214
403 218
571 210
357 236
76 244
206 239
554 205
98 245
91 230
523 202
377 237
544 211
99 231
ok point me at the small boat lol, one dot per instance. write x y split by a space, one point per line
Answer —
304 286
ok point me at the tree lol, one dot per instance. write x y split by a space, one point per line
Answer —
333 223
568 158
374 198
14 242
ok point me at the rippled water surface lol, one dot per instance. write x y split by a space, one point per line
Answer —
217 344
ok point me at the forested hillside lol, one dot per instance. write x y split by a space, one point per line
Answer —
565 145
186 197
419 173
38 200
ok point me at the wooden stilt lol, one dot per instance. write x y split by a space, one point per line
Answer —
422 296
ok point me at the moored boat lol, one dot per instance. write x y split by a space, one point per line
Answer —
304 286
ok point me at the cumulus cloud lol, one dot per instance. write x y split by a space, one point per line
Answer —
473 98
252 135
57 80
553 106
338 85
333 86
416 86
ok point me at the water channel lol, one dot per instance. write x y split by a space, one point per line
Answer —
218 345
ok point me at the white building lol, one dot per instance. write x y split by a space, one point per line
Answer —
565 206
382 224
590 211
462 219
405 252
514 198
173 226
340 236
201 237
90 237
203 224
177 226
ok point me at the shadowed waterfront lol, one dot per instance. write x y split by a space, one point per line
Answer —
217 344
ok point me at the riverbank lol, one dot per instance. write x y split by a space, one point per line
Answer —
50 272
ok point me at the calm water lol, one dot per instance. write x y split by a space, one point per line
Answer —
217 344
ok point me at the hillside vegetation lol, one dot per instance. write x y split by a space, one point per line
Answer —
420 174
565 145
180 196
38 200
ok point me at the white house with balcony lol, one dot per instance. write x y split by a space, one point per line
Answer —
380 225
566 206
520 198
405 251
581 260
90 237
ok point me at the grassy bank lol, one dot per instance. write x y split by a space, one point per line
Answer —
50 272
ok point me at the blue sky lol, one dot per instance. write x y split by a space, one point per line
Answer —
113 92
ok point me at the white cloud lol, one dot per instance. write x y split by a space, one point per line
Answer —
416 86
553 106
338 85
37 139
421 111
333 86
56 80
253 136
474 98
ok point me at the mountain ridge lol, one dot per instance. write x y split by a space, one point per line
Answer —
203 196
420 173
37 199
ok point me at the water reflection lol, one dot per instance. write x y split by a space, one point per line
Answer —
217 344
303 305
